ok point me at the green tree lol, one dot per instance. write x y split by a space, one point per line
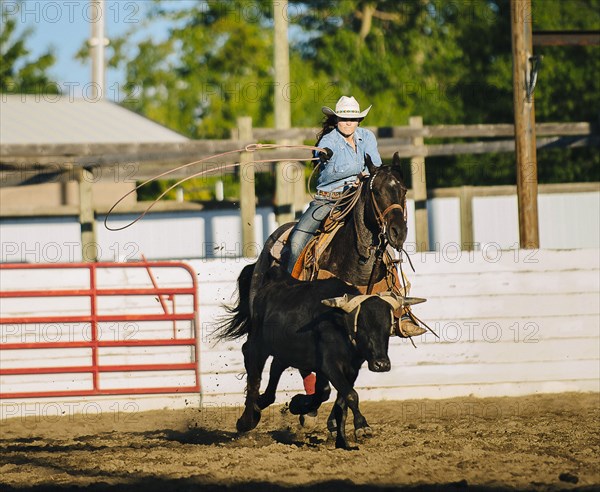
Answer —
18 73
567 89
450 62
215 65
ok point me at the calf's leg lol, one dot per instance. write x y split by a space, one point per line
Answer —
361 426
346 397
254 360
340 409
268 397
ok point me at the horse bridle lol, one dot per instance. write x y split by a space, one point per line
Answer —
380 218
379 215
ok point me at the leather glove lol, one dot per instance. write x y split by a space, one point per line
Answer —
325 155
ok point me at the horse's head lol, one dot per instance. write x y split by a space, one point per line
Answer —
387 196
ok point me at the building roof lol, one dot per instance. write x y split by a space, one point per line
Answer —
49 119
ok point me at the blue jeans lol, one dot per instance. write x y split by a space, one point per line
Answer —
306 228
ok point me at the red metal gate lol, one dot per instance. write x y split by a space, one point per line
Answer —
73 354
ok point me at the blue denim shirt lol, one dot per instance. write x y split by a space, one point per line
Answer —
346 164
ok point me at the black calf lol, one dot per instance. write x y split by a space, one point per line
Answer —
325 327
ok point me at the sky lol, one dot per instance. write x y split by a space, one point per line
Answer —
64 25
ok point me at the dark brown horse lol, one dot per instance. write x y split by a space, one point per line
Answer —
377 219
354 255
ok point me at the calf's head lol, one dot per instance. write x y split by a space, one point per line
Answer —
369 323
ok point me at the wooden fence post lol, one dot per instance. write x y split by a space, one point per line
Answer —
87 220
419 186
466 218
524 109
247 191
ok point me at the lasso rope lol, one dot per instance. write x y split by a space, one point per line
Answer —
248 148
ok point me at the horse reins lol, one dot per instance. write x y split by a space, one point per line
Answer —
380 218
379 215
344 205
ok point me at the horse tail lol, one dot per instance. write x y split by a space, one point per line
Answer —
237 322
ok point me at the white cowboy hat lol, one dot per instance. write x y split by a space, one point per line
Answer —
346 107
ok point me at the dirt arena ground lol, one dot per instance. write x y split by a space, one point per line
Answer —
544 442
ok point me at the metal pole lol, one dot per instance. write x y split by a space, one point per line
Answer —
527 185
97 43
284 187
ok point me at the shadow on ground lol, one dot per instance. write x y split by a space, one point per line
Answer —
191 485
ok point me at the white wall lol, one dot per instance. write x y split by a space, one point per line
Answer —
510 322
567 221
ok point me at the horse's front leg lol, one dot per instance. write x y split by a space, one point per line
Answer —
254 360
304 404
323 390
268 397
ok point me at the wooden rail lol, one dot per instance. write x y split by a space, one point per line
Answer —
150 157
439 131
28 164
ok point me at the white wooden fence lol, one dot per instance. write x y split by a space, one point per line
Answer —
510 323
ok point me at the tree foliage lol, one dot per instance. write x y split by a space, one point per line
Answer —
19 73
214 65
449 61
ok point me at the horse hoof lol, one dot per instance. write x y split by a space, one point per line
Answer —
245 424
300 404
263 402
308 421
363 432
344 445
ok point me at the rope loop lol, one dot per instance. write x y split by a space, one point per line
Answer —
248 148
